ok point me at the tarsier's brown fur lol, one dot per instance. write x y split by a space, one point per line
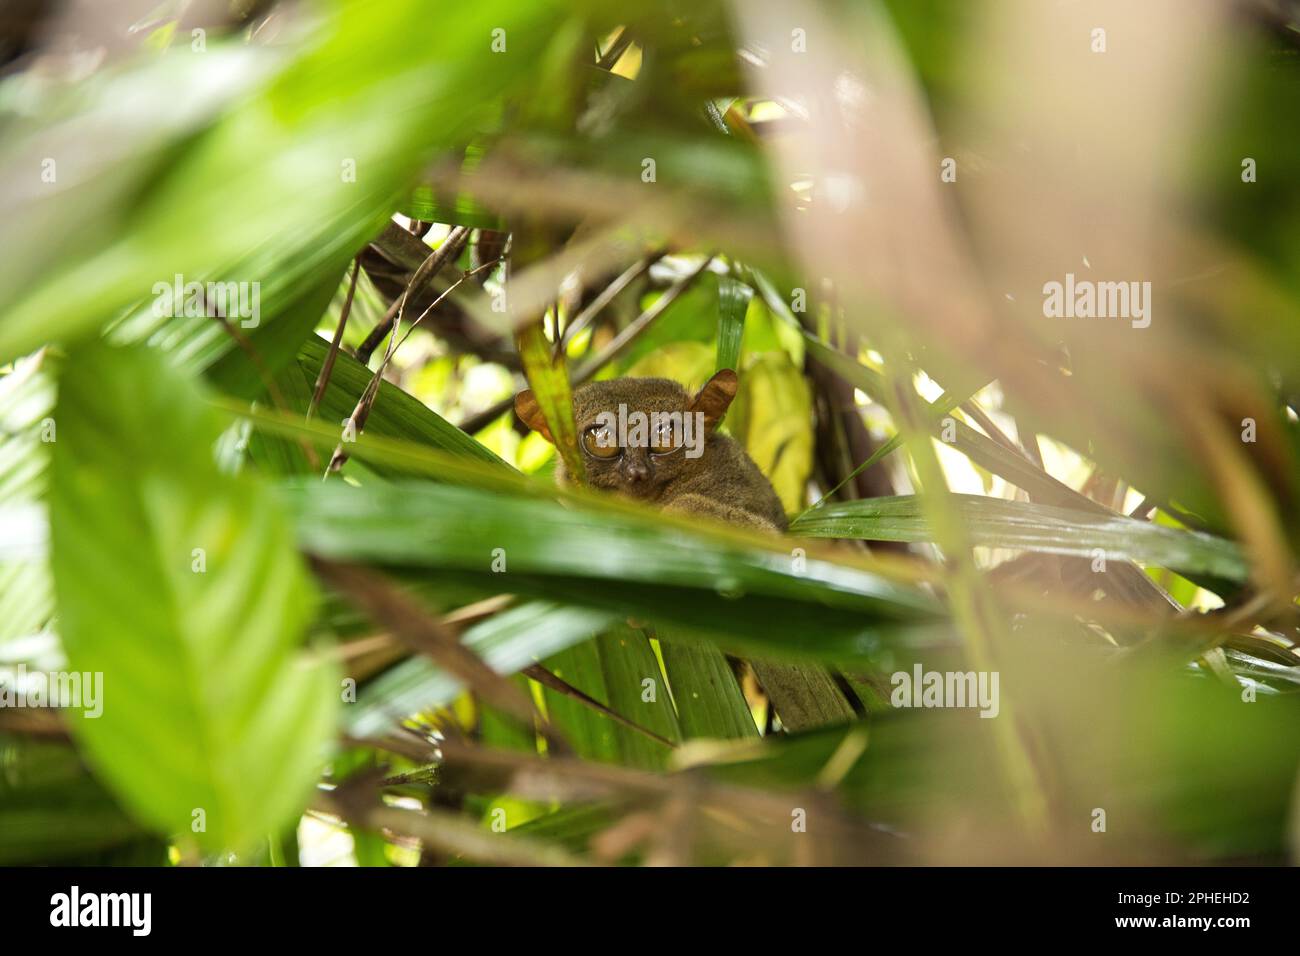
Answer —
723 482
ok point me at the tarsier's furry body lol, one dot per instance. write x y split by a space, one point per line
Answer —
722 483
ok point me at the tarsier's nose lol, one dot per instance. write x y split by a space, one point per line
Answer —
635 470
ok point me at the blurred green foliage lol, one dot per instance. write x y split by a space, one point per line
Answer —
162 504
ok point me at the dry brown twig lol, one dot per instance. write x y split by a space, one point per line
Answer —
422 632
327 367
357 420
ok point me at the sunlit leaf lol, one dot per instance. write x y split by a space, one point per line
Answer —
994 522
179 585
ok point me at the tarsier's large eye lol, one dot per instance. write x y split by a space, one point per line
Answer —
599 441
664 439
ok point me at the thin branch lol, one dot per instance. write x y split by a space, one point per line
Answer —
453 834
606 296
425 634
378 333
1143 509
622 341
362 410
842 437
1029 441
327 367
485 267
544 677
609 59
490 414
423 275
482 419
638 325
981 418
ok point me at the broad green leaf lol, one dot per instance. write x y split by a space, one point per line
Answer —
180 585
997 523
708 698
636 688
772 418
84 160
309 161
623 561
592 735
692 317
386 455
614 669
283 302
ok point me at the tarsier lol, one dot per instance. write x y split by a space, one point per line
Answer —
673 457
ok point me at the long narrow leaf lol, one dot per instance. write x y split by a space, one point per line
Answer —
549 377
733 301
994 522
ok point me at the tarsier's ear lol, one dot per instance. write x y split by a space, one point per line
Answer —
715 397
530 413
